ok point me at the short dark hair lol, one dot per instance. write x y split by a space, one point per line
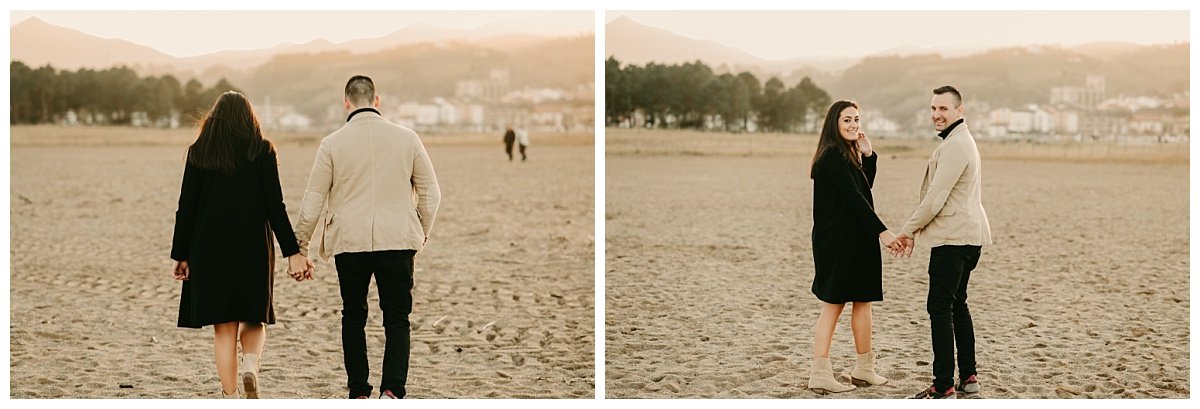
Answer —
947 88
360 90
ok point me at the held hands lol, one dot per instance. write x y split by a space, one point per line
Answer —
899 246
300 267
180 270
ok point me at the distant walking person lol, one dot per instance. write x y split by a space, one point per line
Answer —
951 219
373 187
223 246
523 141
845 241
509 138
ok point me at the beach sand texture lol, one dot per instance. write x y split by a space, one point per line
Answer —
709 267
503 301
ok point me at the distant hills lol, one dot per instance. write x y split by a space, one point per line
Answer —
1011 77
418 61
898 81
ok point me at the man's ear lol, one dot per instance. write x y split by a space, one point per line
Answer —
376 101
346 103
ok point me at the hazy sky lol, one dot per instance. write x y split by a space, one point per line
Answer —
188 33
785 34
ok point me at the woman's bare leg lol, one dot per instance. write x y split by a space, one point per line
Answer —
225 350
823 332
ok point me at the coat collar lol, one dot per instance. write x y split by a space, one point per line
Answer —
945 133
361 110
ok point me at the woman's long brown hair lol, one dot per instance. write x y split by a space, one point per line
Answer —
228 132
831 139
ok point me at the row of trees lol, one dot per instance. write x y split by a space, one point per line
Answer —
111 96
694 97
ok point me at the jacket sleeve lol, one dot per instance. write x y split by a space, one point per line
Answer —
838 172
272 193
870 165
951 163
424 182
185 215
320 180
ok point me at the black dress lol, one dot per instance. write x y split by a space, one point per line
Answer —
849 266
223 230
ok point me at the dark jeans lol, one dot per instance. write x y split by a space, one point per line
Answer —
508 149
950 319
393 271
522 152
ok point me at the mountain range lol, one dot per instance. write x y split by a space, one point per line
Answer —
416 63
37 42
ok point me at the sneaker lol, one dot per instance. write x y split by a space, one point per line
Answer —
932 393
387 394
969 387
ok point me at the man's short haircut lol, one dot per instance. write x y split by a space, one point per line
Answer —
360 90
946 88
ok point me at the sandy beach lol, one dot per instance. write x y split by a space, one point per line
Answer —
503 302
709 266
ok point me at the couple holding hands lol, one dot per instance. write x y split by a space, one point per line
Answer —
846 234
374 192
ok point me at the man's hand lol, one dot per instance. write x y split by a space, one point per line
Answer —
180 270
906 245
308 272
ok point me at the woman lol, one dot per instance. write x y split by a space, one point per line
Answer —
223 246
849 267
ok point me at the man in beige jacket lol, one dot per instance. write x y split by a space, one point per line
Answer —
373 186
951 220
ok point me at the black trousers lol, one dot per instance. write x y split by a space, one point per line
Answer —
393 271
522 152
508 149
950 320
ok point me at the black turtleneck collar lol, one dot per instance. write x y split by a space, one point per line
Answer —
357 111
946 132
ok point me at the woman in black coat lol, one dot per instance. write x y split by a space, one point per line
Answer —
223 248
846 235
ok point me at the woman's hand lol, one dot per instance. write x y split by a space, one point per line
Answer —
864 144
180 270
298 267
891 242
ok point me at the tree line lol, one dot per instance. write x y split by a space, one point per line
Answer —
692 96
111 96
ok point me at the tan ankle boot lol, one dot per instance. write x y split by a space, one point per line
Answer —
864 371
821 379
250 375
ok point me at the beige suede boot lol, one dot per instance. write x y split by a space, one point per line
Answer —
864 371
821 379
250 375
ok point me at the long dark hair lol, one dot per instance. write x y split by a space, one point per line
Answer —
229 132
831 139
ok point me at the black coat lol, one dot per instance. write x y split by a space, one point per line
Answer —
849 266
223 230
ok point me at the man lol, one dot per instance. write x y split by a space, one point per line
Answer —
509 138
523 141
952 221
374 187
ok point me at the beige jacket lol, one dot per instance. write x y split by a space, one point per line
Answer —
951 212
372 187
